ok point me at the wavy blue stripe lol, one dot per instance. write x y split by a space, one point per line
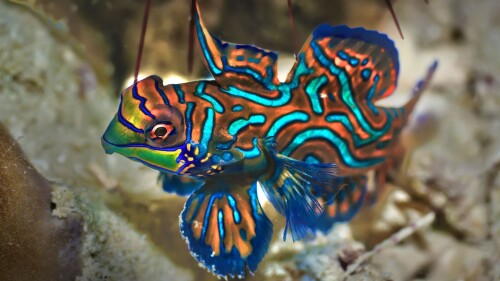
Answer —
382 144
161 92
207 214
220 219
285 120
365 36
312 91
236 213
189 120
141 145
251 153
142 104
125 122
358 142
342 147
345 88
283 100
252 194
283 88
207 131
204 48
239 124
227 145
200 92
245 70
179 92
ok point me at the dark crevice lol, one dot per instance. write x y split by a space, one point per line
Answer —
457 35
423 272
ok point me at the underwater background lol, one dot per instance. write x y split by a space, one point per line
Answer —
69 211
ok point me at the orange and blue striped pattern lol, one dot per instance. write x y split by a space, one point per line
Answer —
308 140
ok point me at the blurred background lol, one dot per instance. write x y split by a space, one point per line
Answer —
75 212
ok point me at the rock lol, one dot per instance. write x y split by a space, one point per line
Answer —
52 110
34 244
401 262
324 258
58 120
452 260
51 232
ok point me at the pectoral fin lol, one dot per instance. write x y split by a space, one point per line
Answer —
225 227
293 187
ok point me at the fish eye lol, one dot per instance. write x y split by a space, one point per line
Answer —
167 130
162 134
161 131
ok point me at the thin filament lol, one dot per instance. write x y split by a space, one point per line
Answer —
389 4
141 42
191 37
292 31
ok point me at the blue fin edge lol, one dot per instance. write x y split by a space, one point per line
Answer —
359 33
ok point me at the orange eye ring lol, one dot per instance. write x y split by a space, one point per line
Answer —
161 131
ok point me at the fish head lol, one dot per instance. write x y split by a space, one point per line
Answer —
146 127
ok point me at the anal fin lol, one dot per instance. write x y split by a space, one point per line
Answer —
344 205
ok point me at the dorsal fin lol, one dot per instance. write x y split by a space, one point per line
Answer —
246 66
365 60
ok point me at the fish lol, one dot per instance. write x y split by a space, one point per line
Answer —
306 142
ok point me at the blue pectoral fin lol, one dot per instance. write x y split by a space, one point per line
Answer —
179 185
343 206
293 188
225 227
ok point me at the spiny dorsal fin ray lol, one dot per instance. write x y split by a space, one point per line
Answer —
247 66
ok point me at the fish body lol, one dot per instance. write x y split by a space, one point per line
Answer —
307 141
